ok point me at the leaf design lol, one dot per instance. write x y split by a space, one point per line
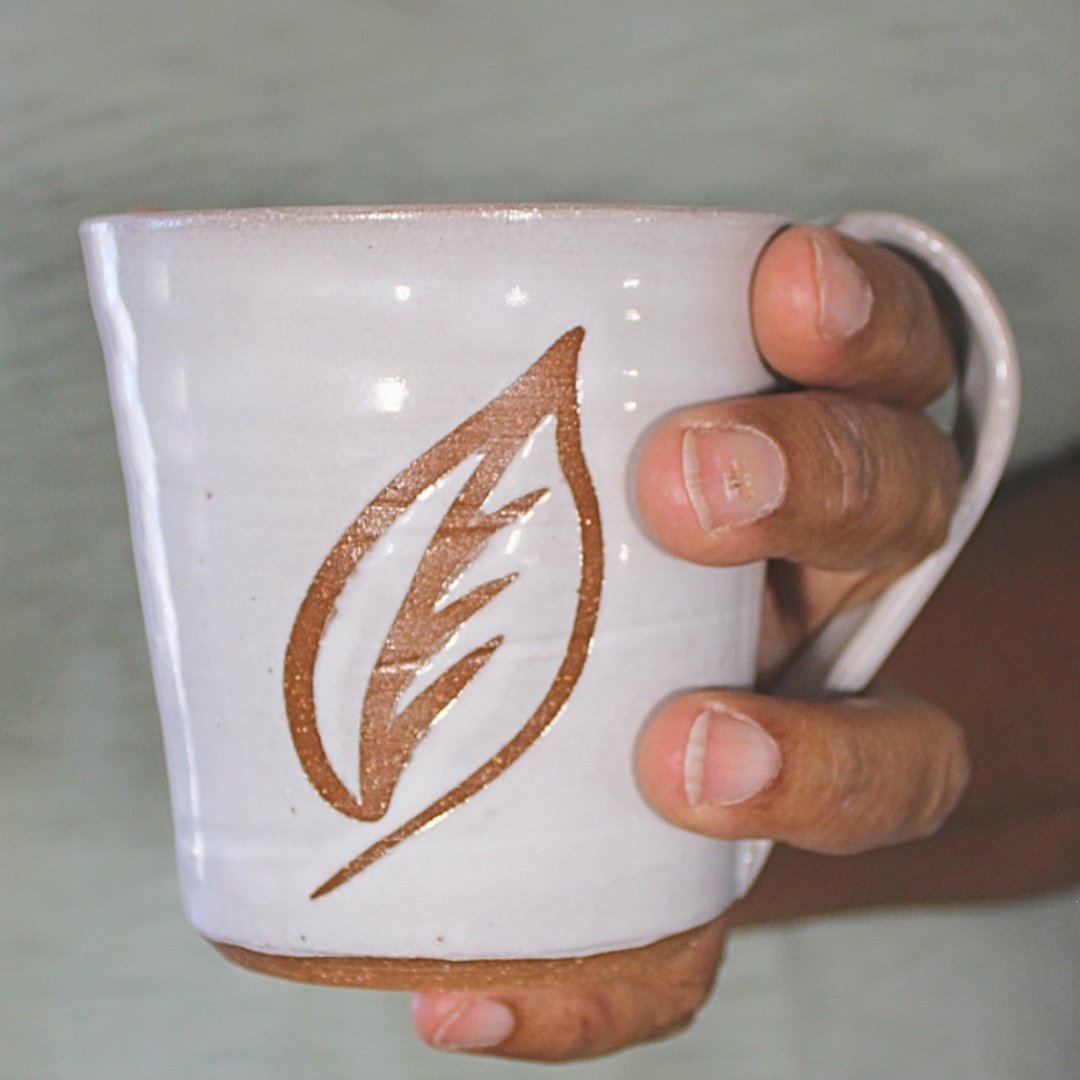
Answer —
389 734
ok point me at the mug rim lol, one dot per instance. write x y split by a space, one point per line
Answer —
150 220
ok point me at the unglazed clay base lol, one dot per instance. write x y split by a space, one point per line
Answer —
420 974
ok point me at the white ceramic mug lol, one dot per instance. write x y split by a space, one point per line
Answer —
404 623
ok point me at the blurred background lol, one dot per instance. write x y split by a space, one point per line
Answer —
961 112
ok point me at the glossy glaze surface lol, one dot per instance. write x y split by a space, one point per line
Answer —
271 373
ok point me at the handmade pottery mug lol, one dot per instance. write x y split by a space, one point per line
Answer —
405 625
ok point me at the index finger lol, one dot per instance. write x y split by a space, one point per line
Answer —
832 312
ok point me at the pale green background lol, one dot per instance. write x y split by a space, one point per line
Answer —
961 112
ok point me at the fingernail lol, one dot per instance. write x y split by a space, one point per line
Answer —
844 295
733 475
473 1024
729 759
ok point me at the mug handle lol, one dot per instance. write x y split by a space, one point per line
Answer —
846 655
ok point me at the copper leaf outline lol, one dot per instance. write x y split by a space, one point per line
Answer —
496 433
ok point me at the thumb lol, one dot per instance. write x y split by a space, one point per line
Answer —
609 1002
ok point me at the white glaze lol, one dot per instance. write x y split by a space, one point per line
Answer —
270 372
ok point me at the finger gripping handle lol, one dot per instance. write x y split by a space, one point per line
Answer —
850 650
846 655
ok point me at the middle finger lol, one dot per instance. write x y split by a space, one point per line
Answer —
820 478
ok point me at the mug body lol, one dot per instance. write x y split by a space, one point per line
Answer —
404 622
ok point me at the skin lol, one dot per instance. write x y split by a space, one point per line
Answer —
965 789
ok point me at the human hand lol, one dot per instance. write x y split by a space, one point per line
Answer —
843 485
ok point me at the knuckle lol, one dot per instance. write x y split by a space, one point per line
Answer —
667 1002
653 1003
910 328
877 791
598 1024
924 341
597 1020
673 1007
687 998
569 1027
910 307
855 809
944 779
936 472
884 480
848 465
605 1019
857 774
885 776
